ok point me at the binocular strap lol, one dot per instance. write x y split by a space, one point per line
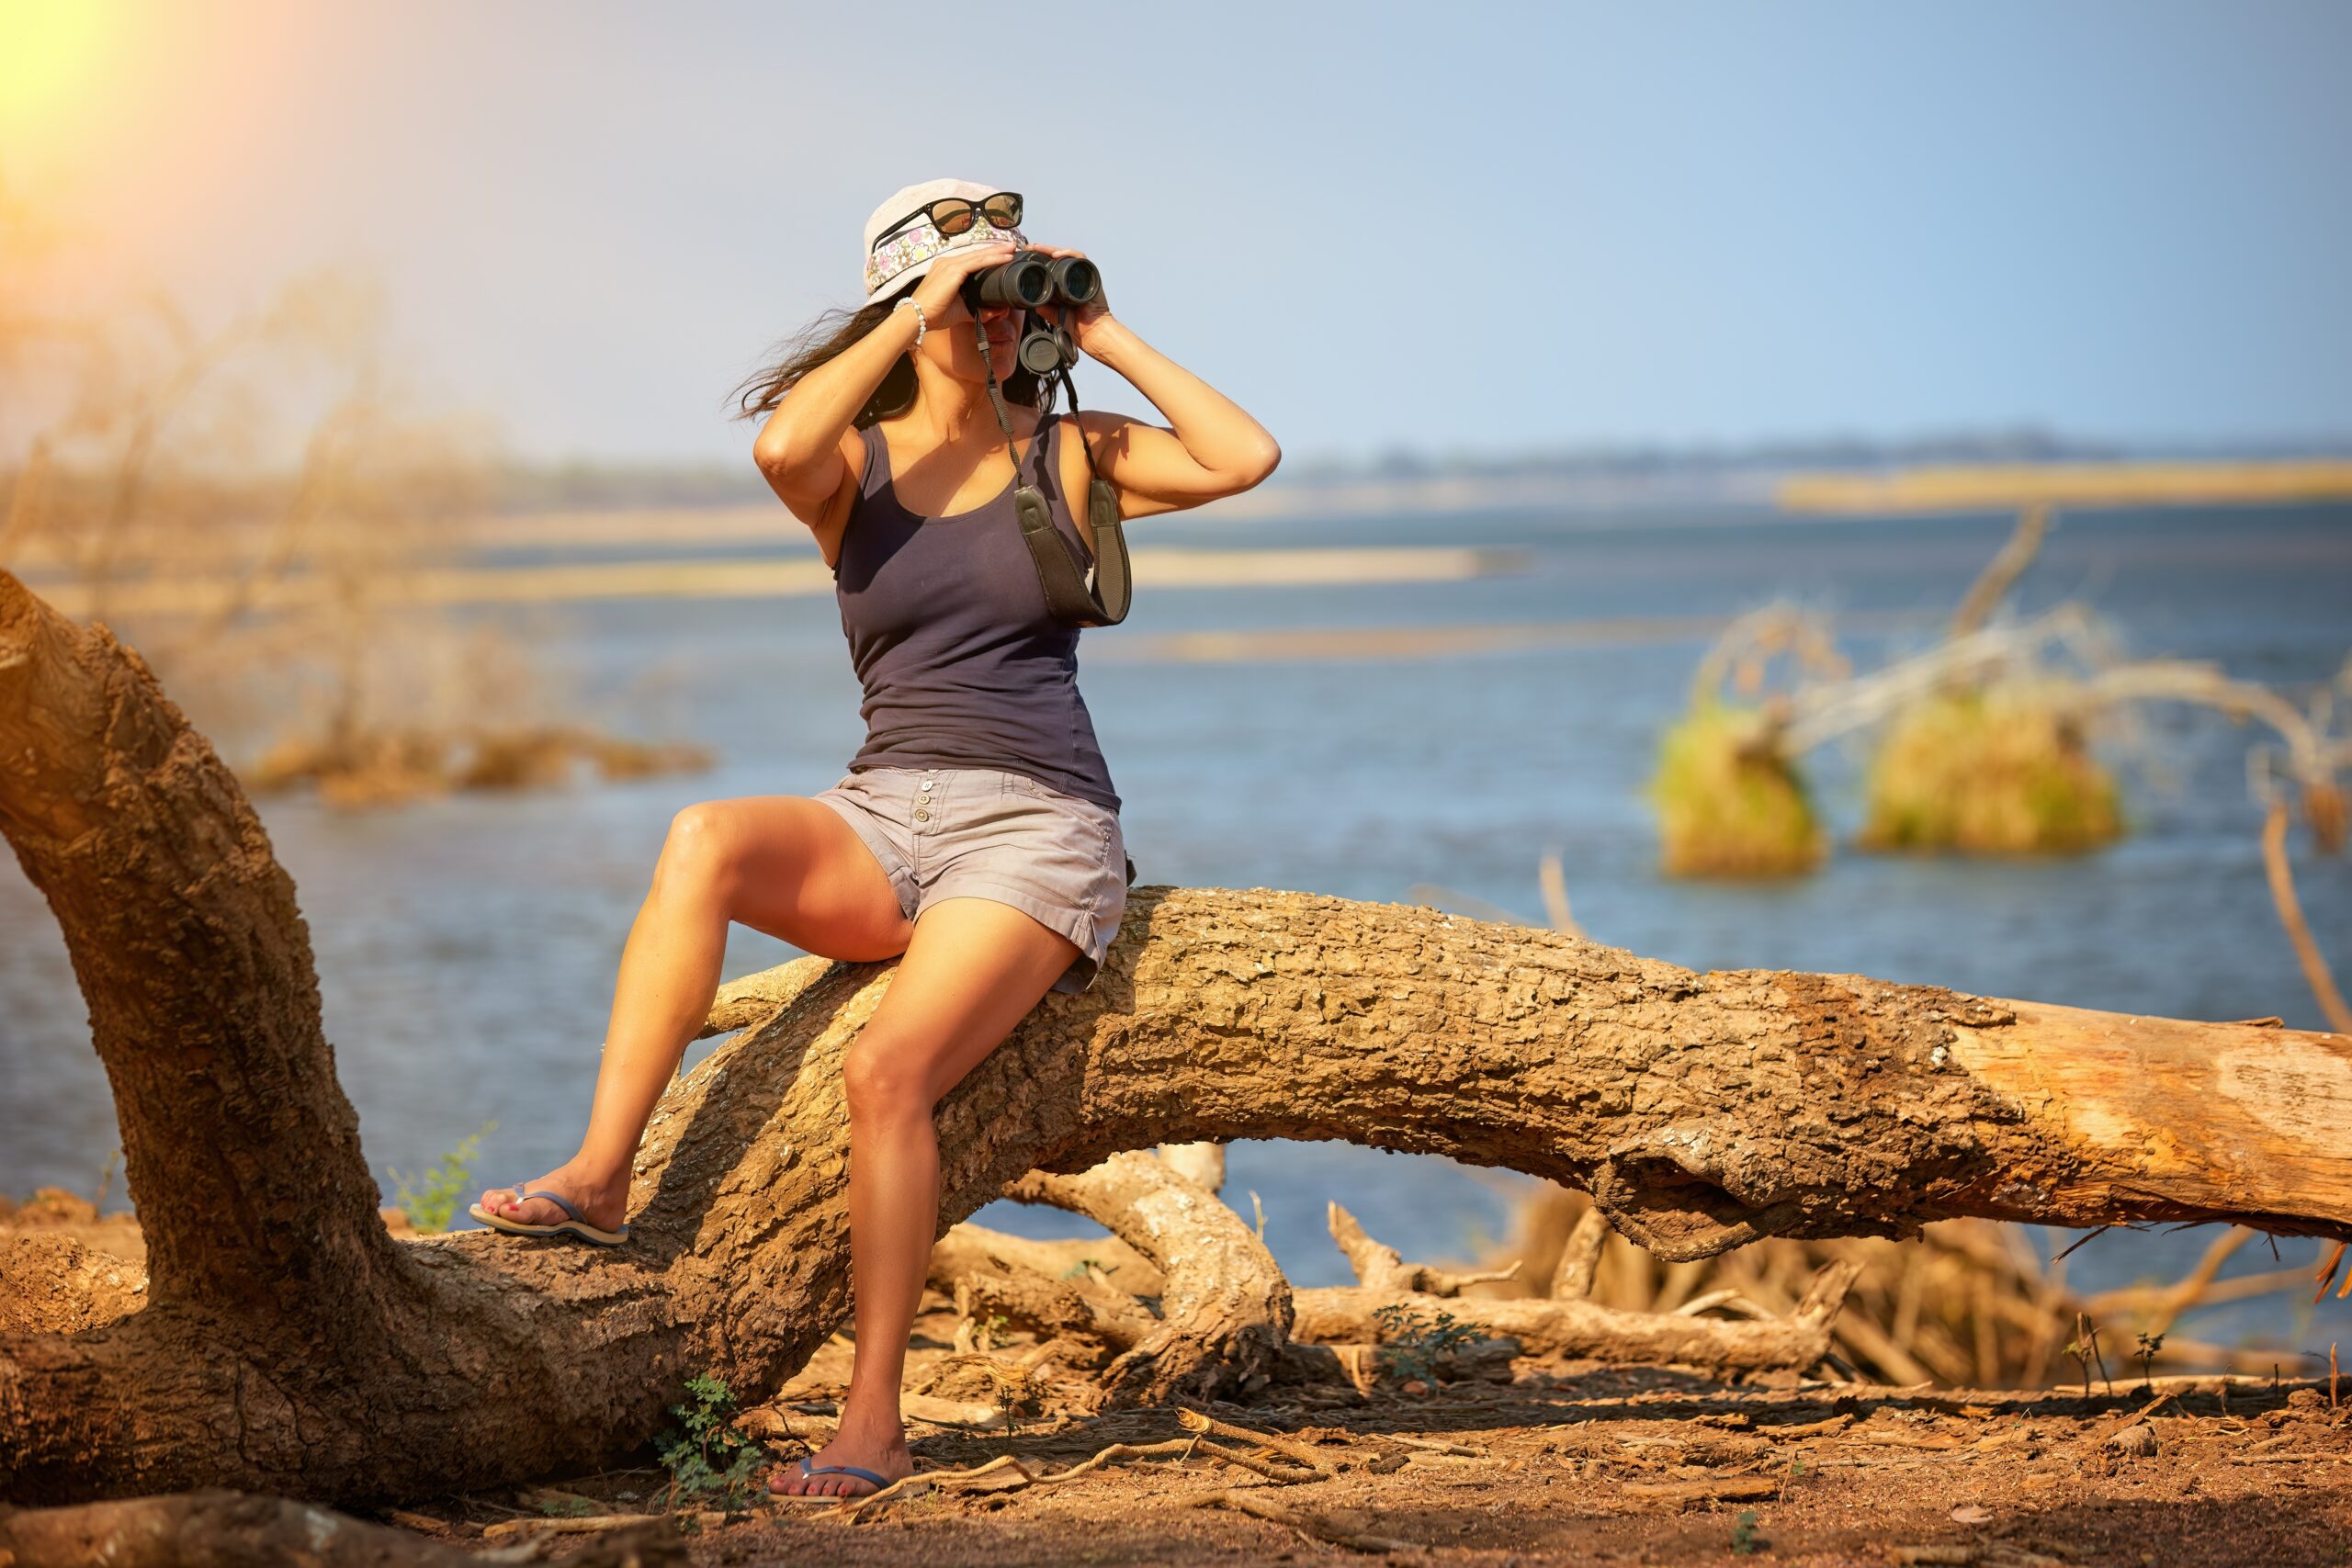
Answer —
1069 597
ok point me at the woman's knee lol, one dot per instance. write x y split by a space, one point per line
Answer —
884 1083
702 852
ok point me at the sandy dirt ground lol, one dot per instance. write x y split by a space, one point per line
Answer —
1564 1463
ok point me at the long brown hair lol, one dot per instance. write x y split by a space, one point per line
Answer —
831 334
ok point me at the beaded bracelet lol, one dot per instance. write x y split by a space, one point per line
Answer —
923 325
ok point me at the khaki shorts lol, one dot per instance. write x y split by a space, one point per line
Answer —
983 833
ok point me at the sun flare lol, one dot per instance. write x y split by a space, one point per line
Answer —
50 53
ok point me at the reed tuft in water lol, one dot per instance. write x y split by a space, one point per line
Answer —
1728 807
2001 769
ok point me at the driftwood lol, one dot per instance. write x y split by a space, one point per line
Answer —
1564 1322
288 1344
1072 1306
2281 877
1225 1308
1226 1318
2001 574
1203 1163
967 1250
1970 1304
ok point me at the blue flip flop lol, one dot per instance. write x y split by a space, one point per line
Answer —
880 1484
575 1226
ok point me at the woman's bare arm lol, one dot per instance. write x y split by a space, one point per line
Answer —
1212 449
804 450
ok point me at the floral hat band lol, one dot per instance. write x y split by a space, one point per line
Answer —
916 247
909 252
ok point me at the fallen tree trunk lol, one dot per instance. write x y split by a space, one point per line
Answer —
292 1346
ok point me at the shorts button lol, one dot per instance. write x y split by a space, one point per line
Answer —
927 784
922 816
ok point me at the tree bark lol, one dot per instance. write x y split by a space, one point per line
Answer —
290 1345
235 1530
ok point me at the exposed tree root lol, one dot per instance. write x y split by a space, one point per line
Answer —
1080 1309
1565 1324
1224 1307
1106 1262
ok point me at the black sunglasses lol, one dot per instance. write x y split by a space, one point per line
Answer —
952 215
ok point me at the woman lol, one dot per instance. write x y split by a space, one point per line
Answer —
976 835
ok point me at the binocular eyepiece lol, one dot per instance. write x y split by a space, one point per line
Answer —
1030 280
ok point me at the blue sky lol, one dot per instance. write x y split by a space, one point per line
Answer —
1455 228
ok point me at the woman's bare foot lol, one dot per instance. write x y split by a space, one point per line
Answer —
885 1457
601 1199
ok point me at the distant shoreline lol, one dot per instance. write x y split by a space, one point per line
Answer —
758 577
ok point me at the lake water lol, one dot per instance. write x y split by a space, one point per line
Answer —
466 946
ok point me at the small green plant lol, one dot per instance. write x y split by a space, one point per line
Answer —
567 1507
1744 1538
2084 1349
2087 1341
1414 1343
708 1460
431 1209
2079 1353
2146 1356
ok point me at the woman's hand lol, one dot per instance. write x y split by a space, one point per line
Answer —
1084 321
939 290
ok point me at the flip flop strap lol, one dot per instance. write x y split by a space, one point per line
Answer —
879 1483
551 1197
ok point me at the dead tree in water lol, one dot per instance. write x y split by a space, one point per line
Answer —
289 1345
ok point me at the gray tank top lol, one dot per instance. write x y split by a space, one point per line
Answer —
962 663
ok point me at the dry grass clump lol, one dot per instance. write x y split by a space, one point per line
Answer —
1998 770
1727 807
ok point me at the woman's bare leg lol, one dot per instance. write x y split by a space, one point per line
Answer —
974 969
784 864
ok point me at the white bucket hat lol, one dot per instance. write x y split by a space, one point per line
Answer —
908 253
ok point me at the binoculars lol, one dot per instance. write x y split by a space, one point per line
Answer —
1030 280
